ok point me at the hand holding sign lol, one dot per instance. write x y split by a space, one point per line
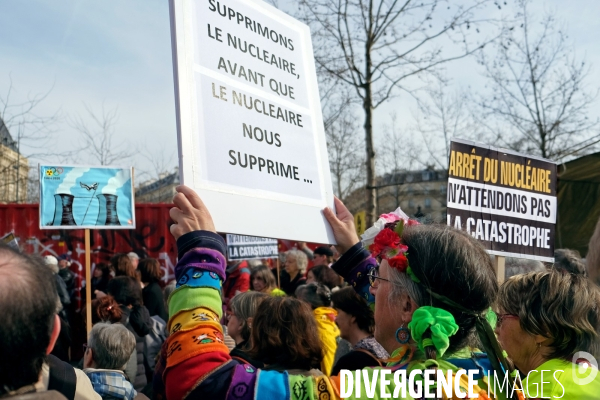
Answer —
342 224
190 214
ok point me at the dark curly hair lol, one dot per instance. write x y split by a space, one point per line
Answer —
284 334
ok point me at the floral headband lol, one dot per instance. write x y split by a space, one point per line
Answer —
384 240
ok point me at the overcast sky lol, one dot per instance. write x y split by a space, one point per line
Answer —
117 53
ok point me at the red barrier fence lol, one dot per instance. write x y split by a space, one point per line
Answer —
151 238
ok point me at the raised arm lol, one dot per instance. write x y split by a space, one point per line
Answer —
195 348
355 262
197 362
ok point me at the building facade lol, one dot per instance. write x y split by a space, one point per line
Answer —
14 169
421 194
160 190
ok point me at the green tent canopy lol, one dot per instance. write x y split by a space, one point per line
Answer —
578 202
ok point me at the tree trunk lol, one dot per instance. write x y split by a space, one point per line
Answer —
371 192
339 185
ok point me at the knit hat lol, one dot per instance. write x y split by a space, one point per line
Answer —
51 262
131 254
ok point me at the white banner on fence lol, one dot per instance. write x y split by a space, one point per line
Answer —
250 247
250 129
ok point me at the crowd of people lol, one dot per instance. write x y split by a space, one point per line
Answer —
407 296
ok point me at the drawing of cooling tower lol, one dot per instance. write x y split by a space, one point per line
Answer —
107 212
63 209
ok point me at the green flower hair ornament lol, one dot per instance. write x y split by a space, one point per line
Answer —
439 321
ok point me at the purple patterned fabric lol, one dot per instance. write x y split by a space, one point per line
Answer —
242 383
205 259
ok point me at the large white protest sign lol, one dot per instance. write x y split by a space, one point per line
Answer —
250 129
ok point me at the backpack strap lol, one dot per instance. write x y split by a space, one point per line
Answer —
240 359
371 354
62 377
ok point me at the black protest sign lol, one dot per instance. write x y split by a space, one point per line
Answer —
504 199
241 247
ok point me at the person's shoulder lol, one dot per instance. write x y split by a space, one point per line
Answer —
571 380
45 395
278 293
354 360
155 287
84 389
300 281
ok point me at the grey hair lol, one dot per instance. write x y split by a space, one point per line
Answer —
518 266
254 263
111 344
570 261
402 284
316 294
300 257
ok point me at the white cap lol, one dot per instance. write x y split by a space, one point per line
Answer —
52 262
131 254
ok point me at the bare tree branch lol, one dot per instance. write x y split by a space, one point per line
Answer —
441 116
29 135
538 101
376 46
97 136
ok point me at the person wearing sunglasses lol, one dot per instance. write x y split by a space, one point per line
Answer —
432 291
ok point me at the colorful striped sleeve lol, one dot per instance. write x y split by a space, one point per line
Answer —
198 364
195 346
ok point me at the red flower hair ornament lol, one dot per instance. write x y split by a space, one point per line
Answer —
384 240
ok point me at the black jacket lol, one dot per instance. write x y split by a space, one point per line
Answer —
239 352
68 277
290 286
154 301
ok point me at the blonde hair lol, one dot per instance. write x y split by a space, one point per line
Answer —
593 255
244 306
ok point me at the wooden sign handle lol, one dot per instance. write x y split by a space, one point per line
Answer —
278 279
88 282
499 268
